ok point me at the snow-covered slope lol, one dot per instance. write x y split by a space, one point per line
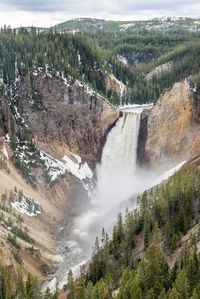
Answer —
167 174
57 167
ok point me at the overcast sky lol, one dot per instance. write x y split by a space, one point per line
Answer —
50 12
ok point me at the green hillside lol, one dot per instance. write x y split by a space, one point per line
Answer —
166 25
91 57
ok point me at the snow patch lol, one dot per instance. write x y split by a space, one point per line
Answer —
166 175
52 285
126 26
193 88
27 205
18 116
7 138
57 168
121 85
80 170
5 152
122 59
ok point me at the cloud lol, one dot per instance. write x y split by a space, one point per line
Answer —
33 5
91 5
48 12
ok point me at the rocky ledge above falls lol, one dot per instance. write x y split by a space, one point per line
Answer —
171 129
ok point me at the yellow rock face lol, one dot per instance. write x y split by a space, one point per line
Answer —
173 129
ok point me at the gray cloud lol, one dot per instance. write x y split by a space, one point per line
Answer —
34 5
48 12
110 6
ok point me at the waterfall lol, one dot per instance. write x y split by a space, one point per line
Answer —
116 175
121 144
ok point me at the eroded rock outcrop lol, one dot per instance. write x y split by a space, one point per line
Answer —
163 68
65 117
5 128
5 117
173 127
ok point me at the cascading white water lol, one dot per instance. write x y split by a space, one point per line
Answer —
115 175
121 145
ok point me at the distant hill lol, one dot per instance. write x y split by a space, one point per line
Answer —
167 25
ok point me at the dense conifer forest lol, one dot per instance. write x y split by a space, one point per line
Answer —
89 57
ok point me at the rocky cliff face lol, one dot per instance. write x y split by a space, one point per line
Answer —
5 128
114 85
5 117
64 117
172 127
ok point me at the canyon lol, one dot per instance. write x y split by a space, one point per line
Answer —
72 128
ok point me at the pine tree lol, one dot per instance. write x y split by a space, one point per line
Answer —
181 284
71 286
95 293
195 294
126 281
88 290
79 291
136 291
173 294
163 295
154 262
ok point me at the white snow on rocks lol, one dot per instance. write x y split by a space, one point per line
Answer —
120 84
7 138
80 170
51 285
166 175
5 152
18 116
57 167
124 27
27 205
194 88
122 59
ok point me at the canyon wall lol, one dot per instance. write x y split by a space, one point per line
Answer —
64 119
170 131
65 116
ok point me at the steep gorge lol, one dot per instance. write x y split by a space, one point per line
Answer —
66 118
